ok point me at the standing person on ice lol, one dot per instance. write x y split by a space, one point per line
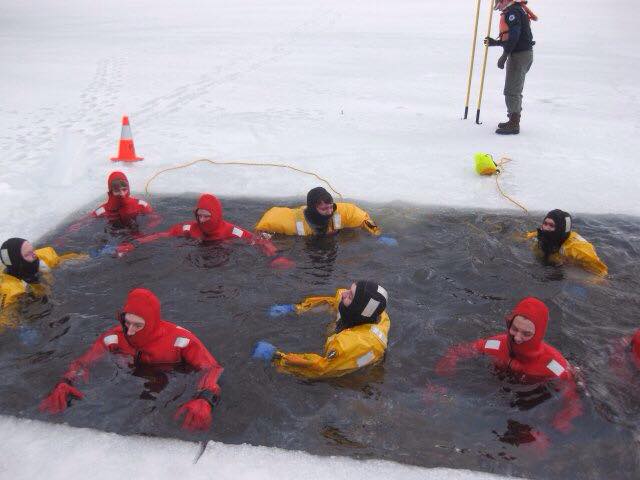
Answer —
209 225
121 210
557 242
521 351
146 339
358 339
320 216
517 41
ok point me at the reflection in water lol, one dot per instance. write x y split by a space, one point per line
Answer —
450 280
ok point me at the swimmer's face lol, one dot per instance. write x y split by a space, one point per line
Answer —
522 329
27 252
325 208
120 190
548 225
133 323
203 215
347 295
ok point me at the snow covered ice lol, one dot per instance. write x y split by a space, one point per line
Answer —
368 95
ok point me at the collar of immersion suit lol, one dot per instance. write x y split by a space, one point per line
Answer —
145 304
369 301
537 312
16 265
210 203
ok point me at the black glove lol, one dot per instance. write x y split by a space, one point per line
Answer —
502 60
492 42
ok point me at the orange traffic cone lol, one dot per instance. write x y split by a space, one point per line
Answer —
126 150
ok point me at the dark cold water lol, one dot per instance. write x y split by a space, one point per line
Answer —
452 278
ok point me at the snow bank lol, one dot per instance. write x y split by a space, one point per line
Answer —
33 449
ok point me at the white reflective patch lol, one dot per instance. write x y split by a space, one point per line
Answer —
300 228
492 344
237 232
365 359
567 227
186 227
383 292
370 308
125 133
100 211
380 334
337 221
181 342
143 203
110 340
512 17
4 253
555 367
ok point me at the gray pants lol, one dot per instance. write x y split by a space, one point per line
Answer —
518 64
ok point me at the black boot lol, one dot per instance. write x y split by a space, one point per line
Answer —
504 124
512 127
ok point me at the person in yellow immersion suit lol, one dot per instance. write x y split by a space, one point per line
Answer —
359 338
319 216
24 268
557 242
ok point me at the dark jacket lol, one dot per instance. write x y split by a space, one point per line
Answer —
520 37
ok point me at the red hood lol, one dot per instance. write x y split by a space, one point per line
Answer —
537 312
212 204
145 304
115 202
635 348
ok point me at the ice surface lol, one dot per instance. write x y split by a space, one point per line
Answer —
367 94
33 449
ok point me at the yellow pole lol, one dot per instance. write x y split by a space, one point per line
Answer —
484 63
473 56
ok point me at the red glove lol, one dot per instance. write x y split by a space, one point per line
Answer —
125 247
282 263
267 247
198 414
542 443
562 424
57 400
446 366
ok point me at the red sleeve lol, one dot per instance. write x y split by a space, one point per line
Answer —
571 404
177 230
447 364
153 219
265 245
197 355
80 366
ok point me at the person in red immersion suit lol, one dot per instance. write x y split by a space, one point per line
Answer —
522 352
121 210
147 339
209 225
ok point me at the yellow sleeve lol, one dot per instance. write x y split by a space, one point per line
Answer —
302 361
354 217
278 220
312 302
530 235
583 253
49 256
